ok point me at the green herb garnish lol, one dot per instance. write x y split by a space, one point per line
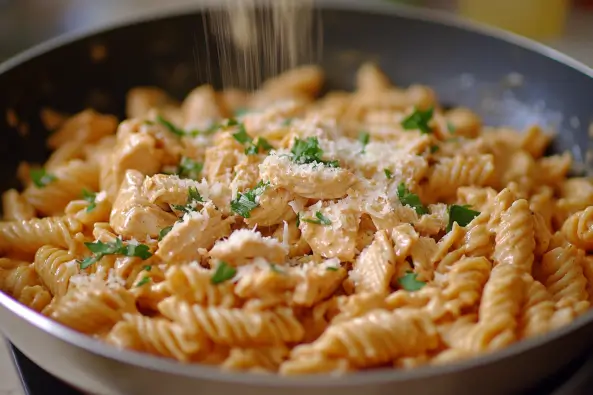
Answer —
89 197
287 122
450 127
410 283
434 148
223 273
410 199
331 269
164 232
245 202
275 269
364 138
100 249
41 178
463 215
298 220
189 168
261 145
241 136
147 268
145 280
251 148
419 120
193 199
170 127
388 174
239 112
308 151
319 219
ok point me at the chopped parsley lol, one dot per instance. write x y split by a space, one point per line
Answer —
239 112
91 198
223 273
147 268
450 127
319 219
251 148
434 148
364 138
100 249
298 220
418 120
409 282
180 132
145 280
241 136
287 122
275 269
164 232
245 202
410 199
193 199
41 178
388 174
308 151
261 145
170 127
331 269
463 215
189 168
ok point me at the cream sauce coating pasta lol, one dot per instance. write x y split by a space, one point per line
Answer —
370 229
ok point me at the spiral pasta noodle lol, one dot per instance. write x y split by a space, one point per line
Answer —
372 229
30 235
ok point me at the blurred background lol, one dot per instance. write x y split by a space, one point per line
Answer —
564 24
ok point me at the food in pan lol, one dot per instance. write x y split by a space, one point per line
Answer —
277 232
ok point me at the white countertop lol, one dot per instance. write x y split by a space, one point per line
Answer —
575 42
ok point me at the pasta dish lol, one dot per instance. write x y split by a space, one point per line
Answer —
285 233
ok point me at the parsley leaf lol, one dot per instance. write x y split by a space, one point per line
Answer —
170 127
262 145
308 151
319 219
463 215
89 197
410 199
275 269
418 120
251 148
147 268
239 112
331 269
388 174
410 283
223 273
164 232
193 199
450 127
145 280
298 220
189 168
41 178
364 138
434 148
100 249
241 136
245 202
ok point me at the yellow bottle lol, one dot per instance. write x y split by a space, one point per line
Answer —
538 19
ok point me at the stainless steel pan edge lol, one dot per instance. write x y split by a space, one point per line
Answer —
98 368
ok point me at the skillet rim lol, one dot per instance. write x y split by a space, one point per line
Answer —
204 372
